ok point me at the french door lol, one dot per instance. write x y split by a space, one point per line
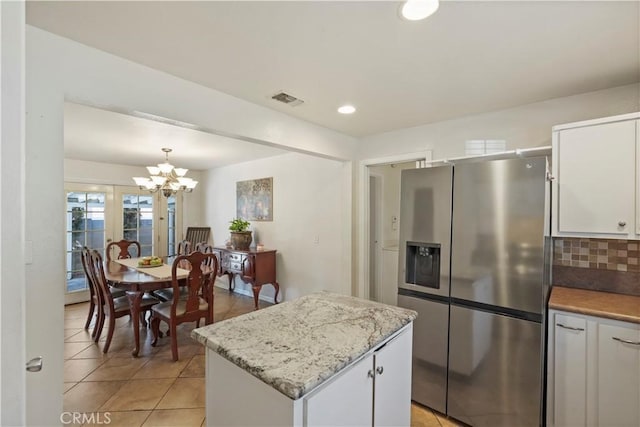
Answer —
89 222
99 214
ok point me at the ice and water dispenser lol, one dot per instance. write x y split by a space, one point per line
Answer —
423 264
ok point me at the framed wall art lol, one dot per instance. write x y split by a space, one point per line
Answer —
254 199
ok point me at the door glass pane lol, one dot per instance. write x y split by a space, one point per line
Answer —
85 226
171 225
137 220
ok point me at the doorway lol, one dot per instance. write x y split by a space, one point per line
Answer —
376 185
379 224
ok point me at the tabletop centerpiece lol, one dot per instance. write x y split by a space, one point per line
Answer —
150 261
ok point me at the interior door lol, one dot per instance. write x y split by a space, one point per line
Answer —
89 222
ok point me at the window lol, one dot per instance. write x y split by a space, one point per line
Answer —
477 147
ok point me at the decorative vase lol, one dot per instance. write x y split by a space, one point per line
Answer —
241 240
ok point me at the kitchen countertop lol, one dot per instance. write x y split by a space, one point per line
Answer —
296 345
596 303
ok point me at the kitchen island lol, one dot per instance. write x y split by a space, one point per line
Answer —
323 359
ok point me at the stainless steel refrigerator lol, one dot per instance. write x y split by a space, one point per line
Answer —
474 260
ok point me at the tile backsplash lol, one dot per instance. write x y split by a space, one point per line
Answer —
602 254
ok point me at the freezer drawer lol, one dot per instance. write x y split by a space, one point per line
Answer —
430 337
495 365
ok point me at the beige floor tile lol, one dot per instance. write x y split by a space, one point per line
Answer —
122 419
68 386
82 336
68 333
195 368
117 368
76 323
135 399
93 351
423 417
73 348
90 396
77 369
138 395
185 351
184 393
175 417
161 367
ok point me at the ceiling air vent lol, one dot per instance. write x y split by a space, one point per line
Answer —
287 99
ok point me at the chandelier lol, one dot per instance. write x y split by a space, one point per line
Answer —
166 178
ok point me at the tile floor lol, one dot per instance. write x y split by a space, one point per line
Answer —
152 390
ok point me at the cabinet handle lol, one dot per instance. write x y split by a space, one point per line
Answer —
622 223
379 370
370 374
571 328
626 341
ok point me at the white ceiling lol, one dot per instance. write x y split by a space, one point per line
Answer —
468 58
111 137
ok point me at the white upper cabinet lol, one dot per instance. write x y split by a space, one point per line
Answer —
595 166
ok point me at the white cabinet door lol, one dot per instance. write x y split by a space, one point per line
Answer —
346 401
595 175
618 375
570 371
392 397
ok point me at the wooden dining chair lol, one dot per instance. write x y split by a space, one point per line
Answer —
184 247
166 294
95 297
95 301
123 247
113 308
201 247
197 304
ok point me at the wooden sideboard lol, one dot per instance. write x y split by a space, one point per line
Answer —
255 267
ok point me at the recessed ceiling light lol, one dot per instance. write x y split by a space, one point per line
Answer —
415 10
347 109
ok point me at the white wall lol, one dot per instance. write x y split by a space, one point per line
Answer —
85 172
308 201
59 70
522 127
12 222
390 199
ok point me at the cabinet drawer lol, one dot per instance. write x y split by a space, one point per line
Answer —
235 257
236 267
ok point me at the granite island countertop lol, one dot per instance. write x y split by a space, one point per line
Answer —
296 345
596 303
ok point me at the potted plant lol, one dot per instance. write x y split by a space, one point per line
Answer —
240 235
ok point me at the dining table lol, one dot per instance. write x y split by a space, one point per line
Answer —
126 274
